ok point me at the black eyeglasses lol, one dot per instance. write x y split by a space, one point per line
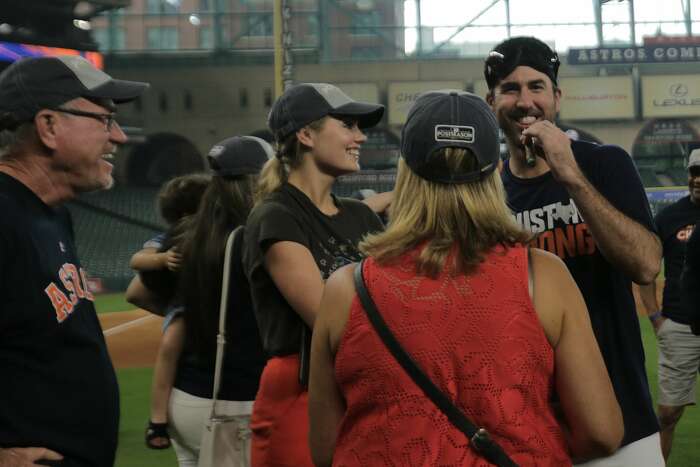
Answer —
107 119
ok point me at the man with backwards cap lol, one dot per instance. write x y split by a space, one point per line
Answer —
679 349
59 400
585 203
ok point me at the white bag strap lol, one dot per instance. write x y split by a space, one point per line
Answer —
221 337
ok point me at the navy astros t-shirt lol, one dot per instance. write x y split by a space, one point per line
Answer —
543 206
58 387
675 224
690 281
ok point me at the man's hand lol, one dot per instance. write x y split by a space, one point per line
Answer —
556 146
173 259
25 457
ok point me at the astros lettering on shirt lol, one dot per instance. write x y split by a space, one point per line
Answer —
560 227
75 287
544 206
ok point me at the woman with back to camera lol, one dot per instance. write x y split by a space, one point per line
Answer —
297 234
225 205
496 326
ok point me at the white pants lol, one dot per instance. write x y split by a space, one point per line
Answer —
187 417
645 452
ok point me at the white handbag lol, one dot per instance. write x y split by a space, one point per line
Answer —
225 439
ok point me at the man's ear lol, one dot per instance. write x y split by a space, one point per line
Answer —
46 128
557 98
489 98
305 137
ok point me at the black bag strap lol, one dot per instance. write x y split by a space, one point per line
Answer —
479 438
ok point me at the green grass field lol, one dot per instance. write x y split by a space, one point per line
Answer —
110 302
135 390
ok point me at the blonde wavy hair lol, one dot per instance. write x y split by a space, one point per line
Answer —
469 219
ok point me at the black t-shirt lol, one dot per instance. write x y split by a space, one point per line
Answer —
244 358
58 388
544 206
289 215
690 281
675 224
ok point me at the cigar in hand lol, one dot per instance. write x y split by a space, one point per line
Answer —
530 156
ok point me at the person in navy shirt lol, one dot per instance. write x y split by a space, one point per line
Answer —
59 399
585 203
679 348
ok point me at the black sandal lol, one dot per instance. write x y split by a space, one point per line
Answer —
157 430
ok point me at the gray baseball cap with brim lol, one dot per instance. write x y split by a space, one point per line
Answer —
304 103
32 84
694 158
450 118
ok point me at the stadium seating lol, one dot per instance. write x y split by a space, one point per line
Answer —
109 227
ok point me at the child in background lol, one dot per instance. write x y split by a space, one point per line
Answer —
157 265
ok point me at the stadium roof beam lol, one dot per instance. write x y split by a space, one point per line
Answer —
463 27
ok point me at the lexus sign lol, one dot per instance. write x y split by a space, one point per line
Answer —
671 96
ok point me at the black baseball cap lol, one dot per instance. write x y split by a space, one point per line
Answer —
240 155
520 51
450 119
304 103
32 84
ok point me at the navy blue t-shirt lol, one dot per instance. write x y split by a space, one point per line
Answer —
544 206
675 224
244 357
690 281
58 388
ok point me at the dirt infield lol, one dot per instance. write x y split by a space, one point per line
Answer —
132 337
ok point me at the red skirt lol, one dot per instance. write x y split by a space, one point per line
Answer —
280 420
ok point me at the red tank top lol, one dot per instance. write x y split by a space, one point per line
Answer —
478 338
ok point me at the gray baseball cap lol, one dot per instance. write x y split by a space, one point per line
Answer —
32 84
450 119
240 155
304 103
694 158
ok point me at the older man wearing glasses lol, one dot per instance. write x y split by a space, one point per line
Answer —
59 400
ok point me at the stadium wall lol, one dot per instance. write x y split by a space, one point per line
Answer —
225 100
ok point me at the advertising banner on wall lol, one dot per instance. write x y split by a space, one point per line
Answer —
363 92
662 53
402 95
661 197
10 51
671 96
597 98
666 131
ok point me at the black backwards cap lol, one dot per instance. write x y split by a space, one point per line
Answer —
520 51
304 103
450 119
240 155
32 84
